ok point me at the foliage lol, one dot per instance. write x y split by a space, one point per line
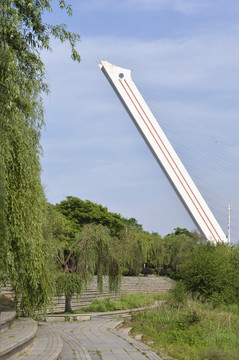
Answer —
23 29
68 284
177 246
139 248
212 271
24 253
194 331
2 203
133 223
86 212
58 230
93 249
99 251
177 295
132 250
126 301
155 252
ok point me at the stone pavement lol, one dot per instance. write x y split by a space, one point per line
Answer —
17 337
98 339
7 316
47 346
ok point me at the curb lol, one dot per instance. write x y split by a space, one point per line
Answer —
88 316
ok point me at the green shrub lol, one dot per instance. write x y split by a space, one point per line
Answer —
213 272
177 295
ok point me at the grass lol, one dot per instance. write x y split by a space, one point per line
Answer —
129 301
99 354
190 331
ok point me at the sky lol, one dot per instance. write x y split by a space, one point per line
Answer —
184 57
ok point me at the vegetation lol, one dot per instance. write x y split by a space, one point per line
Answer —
81 212
128 301
177 247
80 253
140 251
200 319
213 272
90 239
206 269
78 238
137 247
190 331
24 254
92 251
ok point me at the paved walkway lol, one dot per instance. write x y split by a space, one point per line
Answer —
97 339
7 316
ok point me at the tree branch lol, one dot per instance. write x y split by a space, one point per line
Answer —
59 260
71 250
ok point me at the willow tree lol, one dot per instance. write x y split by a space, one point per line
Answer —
139 248
94 250
22 203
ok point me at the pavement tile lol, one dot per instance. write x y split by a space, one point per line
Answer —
99 334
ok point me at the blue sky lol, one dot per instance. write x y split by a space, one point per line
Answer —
184 57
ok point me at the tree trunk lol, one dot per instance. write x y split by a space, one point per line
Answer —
68 304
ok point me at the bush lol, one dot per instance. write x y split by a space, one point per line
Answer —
178 294
213 272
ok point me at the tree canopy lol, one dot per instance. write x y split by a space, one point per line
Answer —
213 272
80 252
93 251
177 246
25 255
82 212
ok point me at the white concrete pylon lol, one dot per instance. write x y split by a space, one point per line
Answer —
129 95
